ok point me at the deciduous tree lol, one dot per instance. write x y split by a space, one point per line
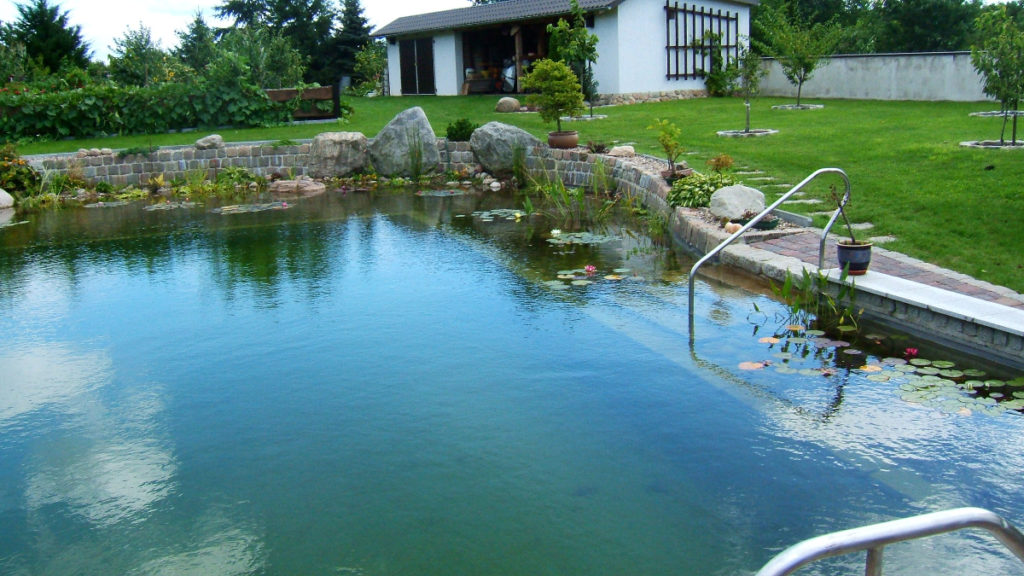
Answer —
798 47
999 57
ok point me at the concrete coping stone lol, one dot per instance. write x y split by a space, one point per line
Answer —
966 308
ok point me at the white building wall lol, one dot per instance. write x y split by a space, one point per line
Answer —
448 69
606 69
640 43
394 69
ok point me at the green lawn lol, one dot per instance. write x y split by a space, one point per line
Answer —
956 207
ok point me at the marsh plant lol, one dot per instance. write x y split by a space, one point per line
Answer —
810 301
569 206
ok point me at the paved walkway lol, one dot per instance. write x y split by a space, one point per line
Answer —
805 247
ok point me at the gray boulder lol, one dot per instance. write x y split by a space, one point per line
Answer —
733 201
210 142
622 152
407 146
495 146
508 104
6 216
337 154
6 200
301 186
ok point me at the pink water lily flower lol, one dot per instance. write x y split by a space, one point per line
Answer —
590 269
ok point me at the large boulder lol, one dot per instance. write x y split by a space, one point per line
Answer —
337 154
496 145
508 104
210 142
733 202
6 200
301 186
407 146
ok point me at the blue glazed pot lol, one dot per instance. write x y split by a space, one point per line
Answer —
855 258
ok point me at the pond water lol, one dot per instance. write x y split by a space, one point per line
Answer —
387 384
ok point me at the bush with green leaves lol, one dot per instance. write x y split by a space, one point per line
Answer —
16 175
558 91
695 190
461 130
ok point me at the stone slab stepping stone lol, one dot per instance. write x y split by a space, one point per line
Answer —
761 179
806 201
748 172
862 226
882 239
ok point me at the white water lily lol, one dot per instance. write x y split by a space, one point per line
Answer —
555 231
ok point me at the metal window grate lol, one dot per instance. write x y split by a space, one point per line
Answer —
687 39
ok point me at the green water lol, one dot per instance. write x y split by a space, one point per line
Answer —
384 385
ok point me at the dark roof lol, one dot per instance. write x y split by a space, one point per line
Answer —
497 13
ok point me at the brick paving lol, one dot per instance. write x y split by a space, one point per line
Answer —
804 245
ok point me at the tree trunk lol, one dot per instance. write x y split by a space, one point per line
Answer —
747 129
1016 106
799 89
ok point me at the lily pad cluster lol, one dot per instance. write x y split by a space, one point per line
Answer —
442 193
587 276
165 206
510 214
111 204
565 238
248 208
942 385
938 384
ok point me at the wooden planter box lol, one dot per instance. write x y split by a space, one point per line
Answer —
316 103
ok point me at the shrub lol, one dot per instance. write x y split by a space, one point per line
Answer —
720 163
695 190
461 130
16 176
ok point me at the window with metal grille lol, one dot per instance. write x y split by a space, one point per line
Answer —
690 32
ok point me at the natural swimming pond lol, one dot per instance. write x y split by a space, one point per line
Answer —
383 384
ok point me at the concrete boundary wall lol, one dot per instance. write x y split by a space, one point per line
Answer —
930 76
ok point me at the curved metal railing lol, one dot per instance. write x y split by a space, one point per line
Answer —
759 217
875 537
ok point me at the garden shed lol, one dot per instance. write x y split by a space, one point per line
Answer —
645 47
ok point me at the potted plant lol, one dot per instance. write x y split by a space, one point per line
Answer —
557 93
854 255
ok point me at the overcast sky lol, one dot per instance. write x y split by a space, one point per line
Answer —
104 21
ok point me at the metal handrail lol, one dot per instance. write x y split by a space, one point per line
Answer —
765 212
875 537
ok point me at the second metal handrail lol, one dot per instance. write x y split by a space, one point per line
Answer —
875 537
765 212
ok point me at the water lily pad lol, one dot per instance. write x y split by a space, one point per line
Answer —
927 370
810 372
1016 382
920 362
443 193
111 204
821 342
996 395
164 206
875 337
751 365
249 208
783 355
813 332
1019 394
769 340
783 369
870 368
580 238
974 373
621 270
905 368
581 282
894 361
796 327
852 351
838 344
878 377
798 340
949 373
613 277
995 383
846 328
943 364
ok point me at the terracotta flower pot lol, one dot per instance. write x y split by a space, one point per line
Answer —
563 139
